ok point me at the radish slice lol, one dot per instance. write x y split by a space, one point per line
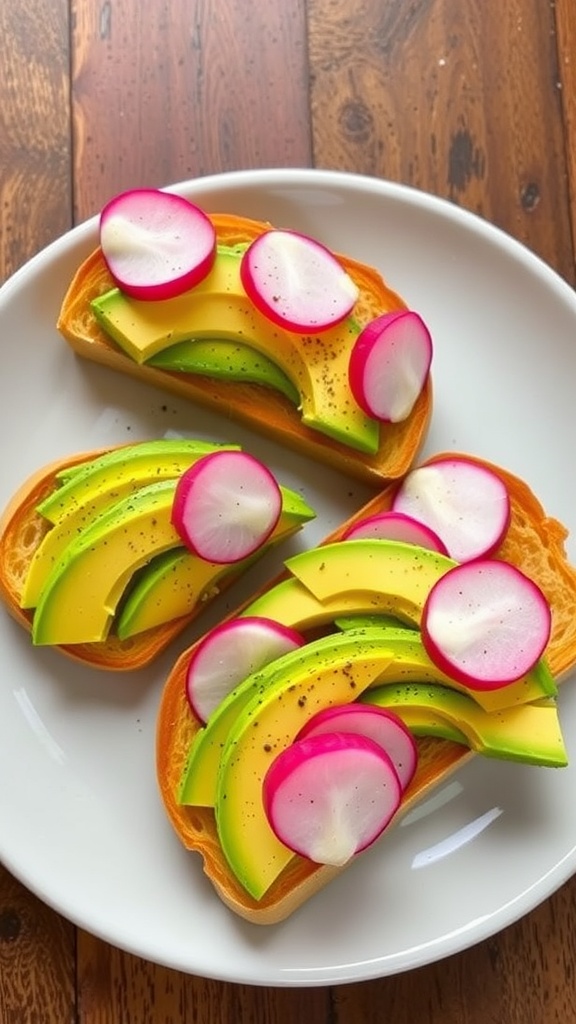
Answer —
226 506
465 504
377 724
230 653
296 282
485 624
156 244
396 526
389 365
330 796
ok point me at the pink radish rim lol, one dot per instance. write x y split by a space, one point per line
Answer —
198 228
367 364
183 518
297 758
271 298
533 629
428 538
291 636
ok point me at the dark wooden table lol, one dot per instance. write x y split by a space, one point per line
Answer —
474 100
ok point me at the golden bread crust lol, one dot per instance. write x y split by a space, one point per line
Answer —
22 529
534 542
257 407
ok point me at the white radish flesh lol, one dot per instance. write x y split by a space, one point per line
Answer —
486 624
465 504
226 506
375 723
329 797
396 526
231 652
390 364
296 282
156 244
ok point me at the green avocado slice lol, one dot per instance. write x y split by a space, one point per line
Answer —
294 688
198 784
363 577
102 483
218 308
225 360
79 598
49 508
529 733
410 666
173 583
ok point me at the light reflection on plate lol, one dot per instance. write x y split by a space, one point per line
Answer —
80 820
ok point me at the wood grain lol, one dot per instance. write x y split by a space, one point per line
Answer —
172 90
35 183
114 987
513 977
37 967
566 82
451 96
37 954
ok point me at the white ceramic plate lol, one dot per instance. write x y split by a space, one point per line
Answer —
80 820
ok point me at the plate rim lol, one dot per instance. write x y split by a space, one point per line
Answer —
284 177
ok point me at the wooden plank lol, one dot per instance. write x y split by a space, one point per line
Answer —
37 966
155 97
114 988
454 97
566 81
513 977
34 128
37 961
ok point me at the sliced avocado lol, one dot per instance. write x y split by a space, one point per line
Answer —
78 484
166 588
286 699
386 577
292 604
527 732
218 307
410 665
427 723
79 598
105 481
404 573
199 778
174 582
357 621
226 360
414 664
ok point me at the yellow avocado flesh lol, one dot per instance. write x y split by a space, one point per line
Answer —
142 462
230 756
410 665
79 599
364 577
111 523
415 664
266 726
317 365
86 495
404 572
199 779
172 586
527 732
227 360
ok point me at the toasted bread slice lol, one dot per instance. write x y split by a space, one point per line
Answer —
21 531
534 542
259 407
